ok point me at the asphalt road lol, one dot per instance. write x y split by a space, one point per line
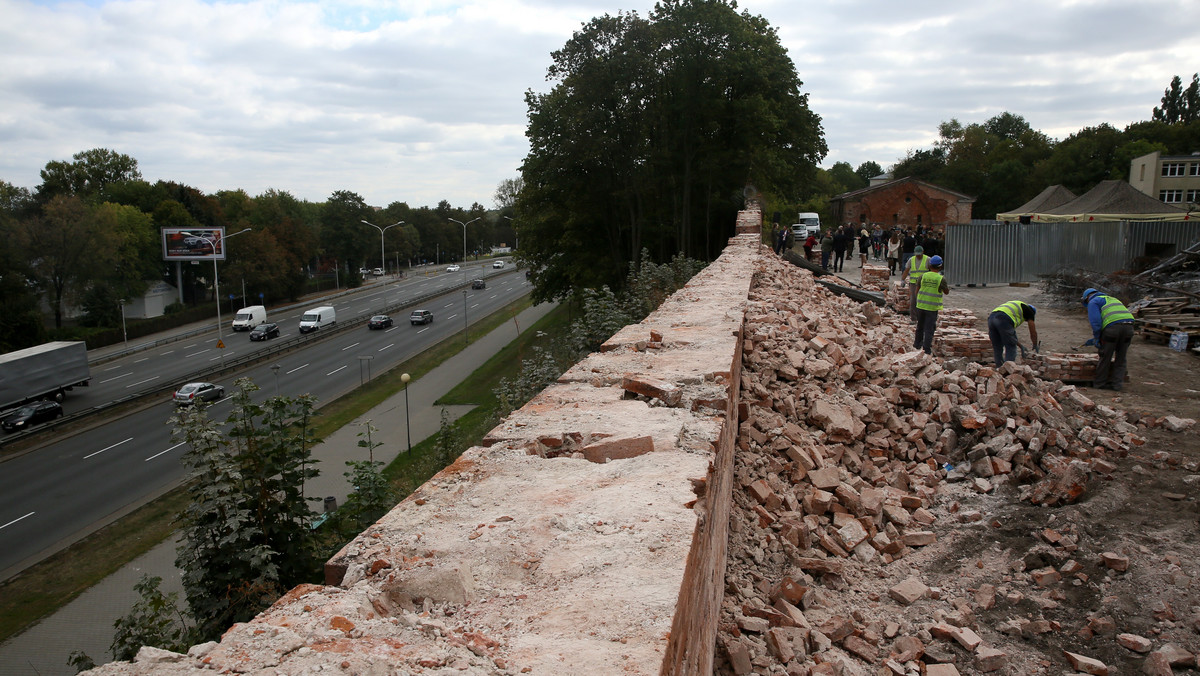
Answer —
59 492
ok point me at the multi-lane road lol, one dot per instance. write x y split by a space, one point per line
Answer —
55 494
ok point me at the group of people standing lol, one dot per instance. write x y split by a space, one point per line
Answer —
895 245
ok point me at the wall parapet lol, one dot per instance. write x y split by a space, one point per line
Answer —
586 535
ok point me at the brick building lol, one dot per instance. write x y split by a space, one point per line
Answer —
907 202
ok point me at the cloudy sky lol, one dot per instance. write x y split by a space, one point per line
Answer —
422 100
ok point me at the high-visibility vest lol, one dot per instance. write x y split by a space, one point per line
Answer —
1013 309
1113 311
917 265
929 294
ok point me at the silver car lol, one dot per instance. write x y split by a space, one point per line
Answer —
194 392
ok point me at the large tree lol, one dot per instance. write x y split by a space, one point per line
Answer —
1179 105
650 135
90 172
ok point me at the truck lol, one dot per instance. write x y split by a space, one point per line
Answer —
42 372
808 223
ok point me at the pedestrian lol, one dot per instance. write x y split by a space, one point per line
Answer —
839 249
932 289
809 243
908 245
877 242
1112 332
916 266
893 252
864 247
1002 329
826 250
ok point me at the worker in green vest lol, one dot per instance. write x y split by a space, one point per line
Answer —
913 269
930 293
1112 332
1002 329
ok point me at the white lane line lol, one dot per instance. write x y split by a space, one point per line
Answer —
163 354
188 347
449 305
348 347
423 330
385 347
141 382
116 378
189 356
288 373
109 448
452 316
475 305
391 329
115 367
334 371
17 519
142 360
493 296
166 451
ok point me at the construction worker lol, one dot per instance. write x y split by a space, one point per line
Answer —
913 269
933 288
1112 332
1002 329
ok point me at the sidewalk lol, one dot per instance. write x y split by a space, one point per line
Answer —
86 623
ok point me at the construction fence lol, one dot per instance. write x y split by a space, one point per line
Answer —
1002 252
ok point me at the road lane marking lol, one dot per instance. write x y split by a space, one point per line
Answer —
142 360
475 305
115 378
189 356
334 371
141 382
108 449
385 347
423 330
348 347
166 451
115 367
163 354
451 316
288 373
17 519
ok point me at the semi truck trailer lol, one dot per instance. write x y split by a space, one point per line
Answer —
42 372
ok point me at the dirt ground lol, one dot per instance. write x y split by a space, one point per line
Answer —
990 543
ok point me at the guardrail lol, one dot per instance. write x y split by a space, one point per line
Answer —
209 373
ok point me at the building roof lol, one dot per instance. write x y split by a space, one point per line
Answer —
1051 197
1111 200
854 194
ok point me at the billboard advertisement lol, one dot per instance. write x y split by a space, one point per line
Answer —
193 244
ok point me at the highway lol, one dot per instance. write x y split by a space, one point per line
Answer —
59 492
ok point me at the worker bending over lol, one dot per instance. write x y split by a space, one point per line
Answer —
1112 332
1002 329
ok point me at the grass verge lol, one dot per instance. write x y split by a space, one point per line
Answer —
49 585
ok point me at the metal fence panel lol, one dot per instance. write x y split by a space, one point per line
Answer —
1179 234
983 253
999 253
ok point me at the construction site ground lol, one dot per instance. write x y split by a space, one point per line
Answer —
979 570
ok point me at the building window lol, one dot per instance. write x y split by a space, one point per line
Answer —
1193 195
1194 169
1173 168
1170 196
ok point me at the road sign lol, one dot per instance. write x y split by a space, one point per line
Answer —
220 345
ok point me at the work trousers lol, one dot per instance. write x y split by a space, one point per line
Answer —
926 325
1003 335
912 301
1110 372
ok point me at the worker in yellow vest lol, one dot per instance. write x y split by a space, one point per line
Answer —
933 289
913 269
1002 329
1112 332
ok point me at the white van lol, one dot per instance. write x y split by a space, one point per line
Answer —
316 318
808 223
249 317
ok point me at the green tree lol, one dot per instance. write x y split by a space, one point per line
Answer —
343 235
65 248
1179 105
867 171
845 178
90 172
155 619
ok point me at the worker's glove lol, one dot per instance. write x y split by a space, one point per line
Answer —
1090 343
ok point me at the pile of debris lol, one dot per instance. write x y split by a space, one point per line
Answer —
875 277
897 296
848 444
1174 320
962 343
1067 367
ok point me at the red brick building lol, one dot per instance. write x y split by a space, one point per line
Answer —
906 202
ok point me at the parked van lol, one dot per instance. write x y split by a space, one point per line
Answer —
249 317
808 223
316 318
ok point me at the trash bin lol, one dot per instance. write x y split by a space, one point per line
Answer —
331 504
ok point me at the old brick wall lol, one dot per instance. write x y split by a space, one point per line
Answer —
906 204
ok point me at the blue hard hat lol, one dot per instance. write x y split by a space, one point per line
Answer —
1087 294
936 260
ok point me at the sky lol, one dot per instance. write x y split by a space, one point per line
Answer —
419 101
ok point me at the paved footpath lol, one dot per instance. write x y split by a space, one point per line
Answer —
87 622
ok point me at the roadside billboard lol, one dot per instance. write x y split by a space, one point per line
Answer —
193 244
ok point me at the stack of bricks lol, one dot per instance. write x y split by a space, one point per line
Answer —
959 343
875 277
957 318
897 296
1065 367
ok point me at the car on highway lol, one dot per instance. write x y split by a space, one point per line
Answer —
194 392
478 284
420 317
265 331
452 268
497 264
28 416
379 322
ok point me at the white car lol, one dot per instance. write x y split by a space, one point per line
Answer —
497 264
452 268
378 272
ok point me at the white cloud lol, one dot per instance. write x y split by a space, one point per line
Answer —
420 101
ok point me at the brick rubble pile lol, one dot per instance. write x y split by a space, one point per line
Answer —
897 296
849 443
1065 367
960 343
956 317
875 277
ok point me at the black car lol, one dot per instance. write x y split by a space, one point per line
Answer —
478 284
265 331
420 317
28 416
379 322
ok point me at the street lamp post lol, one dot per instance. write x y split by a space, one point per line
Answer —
217 287
382 262
121 304
275 370
516 244
466 338
464 225
404 378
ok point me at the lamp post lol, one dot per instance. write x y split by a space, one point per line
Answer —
517 235
382 262
217 287
404 378
121 304
466 338
464 225
275 370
